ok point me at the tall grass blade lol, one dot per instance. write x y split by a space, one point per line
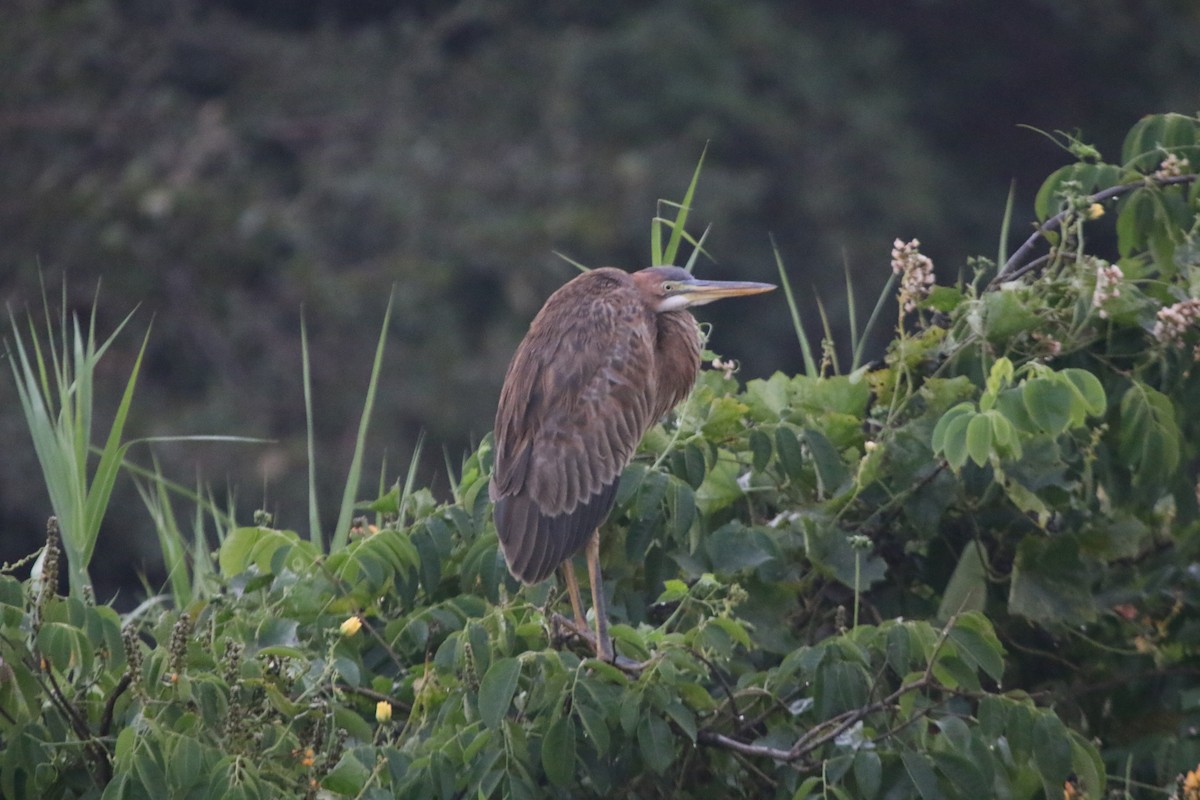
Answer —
851 311
810 364
111 456
410 477
156 497
342 532
57 403
872 320
667 256
314 514
827 331
1002 250
571 261
697 249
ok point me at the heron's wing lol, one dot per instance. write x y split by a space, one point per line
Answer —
577 399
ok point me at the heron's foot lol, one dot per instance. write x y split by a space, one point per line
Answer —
627 665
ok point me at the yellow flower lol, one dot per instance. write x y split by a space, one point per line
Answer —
1191 785
1095 211
383 711
351 626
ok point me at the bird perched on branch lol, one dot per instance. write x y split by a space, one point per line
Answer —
609 353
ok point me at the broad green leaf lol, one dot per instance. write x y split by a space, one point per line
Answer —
1089 177
558 752
1048 403
954 440
496 690
967 589
186 763
978 645
1148 437
656 743
1006 314
1090 389
1050 583
720 487
594 726
1155 133
349 777
979 439
920 771
65 647
252 545
963 773
791 457
830 467
1051 750
938 439
868 773
735 547
760 446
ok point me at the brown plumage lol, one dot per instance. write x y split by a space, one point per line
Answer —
609 353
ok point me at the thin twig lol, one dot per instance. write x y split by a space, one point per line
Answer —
626 665
1014 261
371 694
110 706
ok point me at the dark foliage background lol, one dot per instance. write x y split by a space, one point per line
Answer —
226 165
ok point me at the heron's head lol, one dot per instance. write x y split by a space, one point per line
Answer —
672 288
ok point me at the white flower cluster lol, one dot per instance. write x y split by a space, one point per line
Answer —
1108 286
1174 321
916 271
1171 167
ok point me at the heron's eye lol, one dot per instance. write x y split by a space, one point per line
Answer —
669 287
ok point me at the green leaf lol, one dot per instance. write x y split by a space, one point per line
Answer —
967 589
1006 314
1090 389
868 773
791 457
963 774
65 647
186 764
349 777
1050 583
1155 133
1148 437
682 716
656 743
760 447
954 440
252 545
978 645
1090 177
1048 403
938 440
1051 750
830 468
496 690
558 752
920 771
979 439
594 726
735 547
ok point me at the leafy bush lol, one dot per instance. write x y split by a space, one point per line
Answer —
968 570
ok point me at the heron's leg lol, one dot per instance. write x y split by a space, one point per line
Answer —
599 607
568 571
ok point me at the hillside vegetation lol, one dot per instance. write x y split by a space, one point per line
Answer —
971 569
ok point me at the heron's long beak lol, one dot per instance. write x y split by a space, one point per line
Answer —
698 292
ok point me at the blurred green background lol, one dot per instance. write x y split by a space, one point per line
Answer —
226 165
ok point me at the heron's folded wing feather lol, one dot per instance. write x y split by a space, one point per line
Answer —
577 399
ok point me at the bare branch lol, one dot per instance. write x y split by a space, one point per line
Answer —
1011 266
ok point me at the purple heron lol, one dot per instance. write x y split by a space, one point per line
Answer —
609 353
